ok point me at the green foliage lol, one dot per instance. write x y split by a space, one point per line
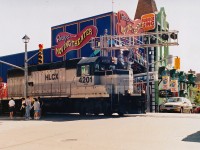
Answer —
196 95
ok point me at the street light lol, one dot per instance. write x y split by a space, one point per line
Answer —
25 40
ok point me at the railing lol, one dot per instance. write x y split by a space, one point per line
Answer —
142 40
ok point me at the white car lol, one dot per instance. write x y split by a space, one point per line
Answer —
176 104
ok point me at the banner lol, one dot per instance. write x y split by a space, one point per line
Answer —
174 85
67 41
165 82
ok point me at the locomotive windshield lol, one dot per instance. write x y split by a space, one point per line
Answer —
85 70
87 66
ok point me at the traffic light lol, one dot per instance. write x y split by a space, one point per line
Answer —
177 63
181 76
40 54
173 73
161 71
191 78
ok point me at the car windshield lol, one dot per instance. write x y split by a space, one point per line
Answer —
174 99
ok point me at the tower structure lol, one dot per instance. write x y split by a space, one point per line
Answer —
154 53
145 7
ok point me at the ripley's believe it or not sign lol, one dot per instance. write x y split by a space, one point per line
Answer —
127 26
67 41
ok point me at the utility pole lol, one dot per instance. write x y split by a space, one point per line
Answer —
25 40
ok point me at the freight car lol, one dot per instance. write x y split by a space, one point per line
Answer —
91 85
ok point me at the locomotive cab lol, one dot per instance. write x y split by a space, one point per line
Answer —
105 73
88 66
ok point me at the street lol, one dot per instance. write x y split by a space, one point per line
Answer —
152 131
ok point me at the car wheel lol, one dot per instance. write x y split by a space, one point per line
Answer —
181 110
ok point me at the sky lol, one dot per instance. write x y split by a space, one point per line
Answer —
36 17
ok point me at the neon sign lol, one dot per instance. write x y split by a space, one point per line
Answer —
67 41
127 26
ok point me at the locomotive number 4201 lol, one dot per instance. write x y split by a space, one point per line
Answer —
86 79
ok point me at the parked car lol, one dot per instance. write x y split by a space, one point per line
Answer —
197 109
176 104
194 106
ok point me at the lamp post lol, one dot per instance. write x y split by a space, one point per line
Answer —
25 40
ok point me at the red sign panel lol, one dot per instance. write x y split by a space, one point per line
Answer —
3 90
148 21
67 41
127 26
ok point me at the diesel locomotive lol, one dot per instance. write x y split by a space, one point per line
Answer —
91 85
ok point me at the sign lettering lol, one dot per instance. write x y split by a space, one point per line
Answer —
127 26
67 41
51 76
148 21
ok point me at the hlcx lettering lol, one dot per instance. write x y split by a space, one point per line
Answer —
51 76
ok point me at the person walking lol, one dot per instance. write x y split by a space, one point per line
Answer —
36 106
11 104
28 108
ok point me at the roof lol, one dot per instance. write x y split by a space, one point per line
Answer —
145 7
87 60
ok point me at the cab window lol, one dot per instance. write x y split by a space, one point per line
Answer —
85 70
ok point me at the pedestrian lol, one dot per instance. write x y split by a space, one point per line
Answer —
23 107
28 108
11 104
144 102
36 106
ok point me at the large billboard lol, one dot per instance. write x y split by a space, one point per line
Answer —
71 40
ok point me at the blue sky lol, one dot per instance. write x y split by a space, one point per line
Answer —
36 17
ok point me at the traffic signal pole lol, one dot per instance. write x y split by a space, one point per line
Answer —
25 69
12 65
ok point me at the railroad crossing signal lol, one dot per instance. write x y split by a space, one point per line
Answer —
40 54
140 40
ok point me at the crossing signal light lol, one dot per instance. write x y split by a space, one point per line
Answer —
40 54
165 37
177 63
174 36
